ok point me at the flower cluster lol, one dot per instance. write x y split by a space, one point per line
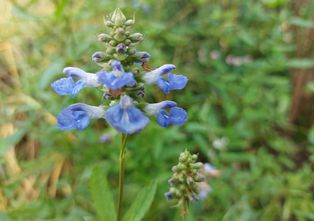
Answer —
122 79
184 183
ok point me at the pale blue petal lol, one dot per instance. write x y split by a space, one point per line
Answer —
177 116
74 72
73 117
163 118
177 82
125 117
113 82
164 85
117 66
152 109
63 86
79 85
154 75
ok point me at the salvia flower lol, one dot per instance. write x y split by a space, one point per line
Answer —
77 116
167 113
121 82
185 180
67 86
116 78
125 117
174 81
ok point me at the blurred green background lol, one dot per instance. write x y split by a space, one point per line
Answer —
239 56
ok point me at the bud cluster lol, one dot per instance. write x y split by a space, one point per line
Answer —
184 182
120 43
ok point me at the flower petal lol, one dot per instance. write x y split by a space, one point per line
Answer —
73 117
177 82
125 117
117 66
113 82
77 116
63 86
152 109
153 76
163 118
177 116
74 72
79 85
164 85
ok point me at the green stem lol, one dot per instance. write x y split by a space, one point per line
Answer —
184 210
121 174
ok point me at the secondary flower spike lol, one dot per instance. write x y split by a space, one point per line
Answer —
121 82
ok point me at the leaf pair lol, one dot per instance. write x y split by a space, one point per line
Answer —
104 204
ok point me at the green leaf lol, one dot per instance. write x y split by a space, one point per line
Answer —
303 23
311 135
300 63
142 203
9 141
101 196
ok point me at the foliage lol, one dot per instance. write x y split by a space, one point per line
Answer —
237 55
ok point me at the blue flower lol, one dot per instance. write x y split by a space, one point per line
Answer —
67 86
77 116
125 117
117 78
174 81
167 113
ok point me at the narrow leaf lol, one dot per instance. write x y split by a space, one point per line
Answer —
300 63
101 196
142 203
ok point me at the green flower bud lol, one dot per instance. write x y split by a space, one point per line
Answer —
129 22
127 42
110 50
181 167
131 50
183 157
113 43
119 56
197 165
199 178
174 191
136 37
109 24
104 37
194 157
118 17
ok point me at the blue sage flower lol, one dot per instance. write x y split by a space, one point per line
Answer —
117 78
67 86
167 113
77 116
125 117
174 81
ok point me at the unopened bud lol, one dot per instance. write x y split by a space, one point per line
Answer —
121 48
143 56
129 22
118 17
136 37
199 178
104 37
100 57
109 24
197 165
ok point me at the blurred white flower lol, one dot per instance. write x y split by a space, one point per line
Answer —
207 171
220 143
238 60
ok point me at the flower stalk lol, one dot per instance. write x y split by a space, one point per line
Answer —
121 174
